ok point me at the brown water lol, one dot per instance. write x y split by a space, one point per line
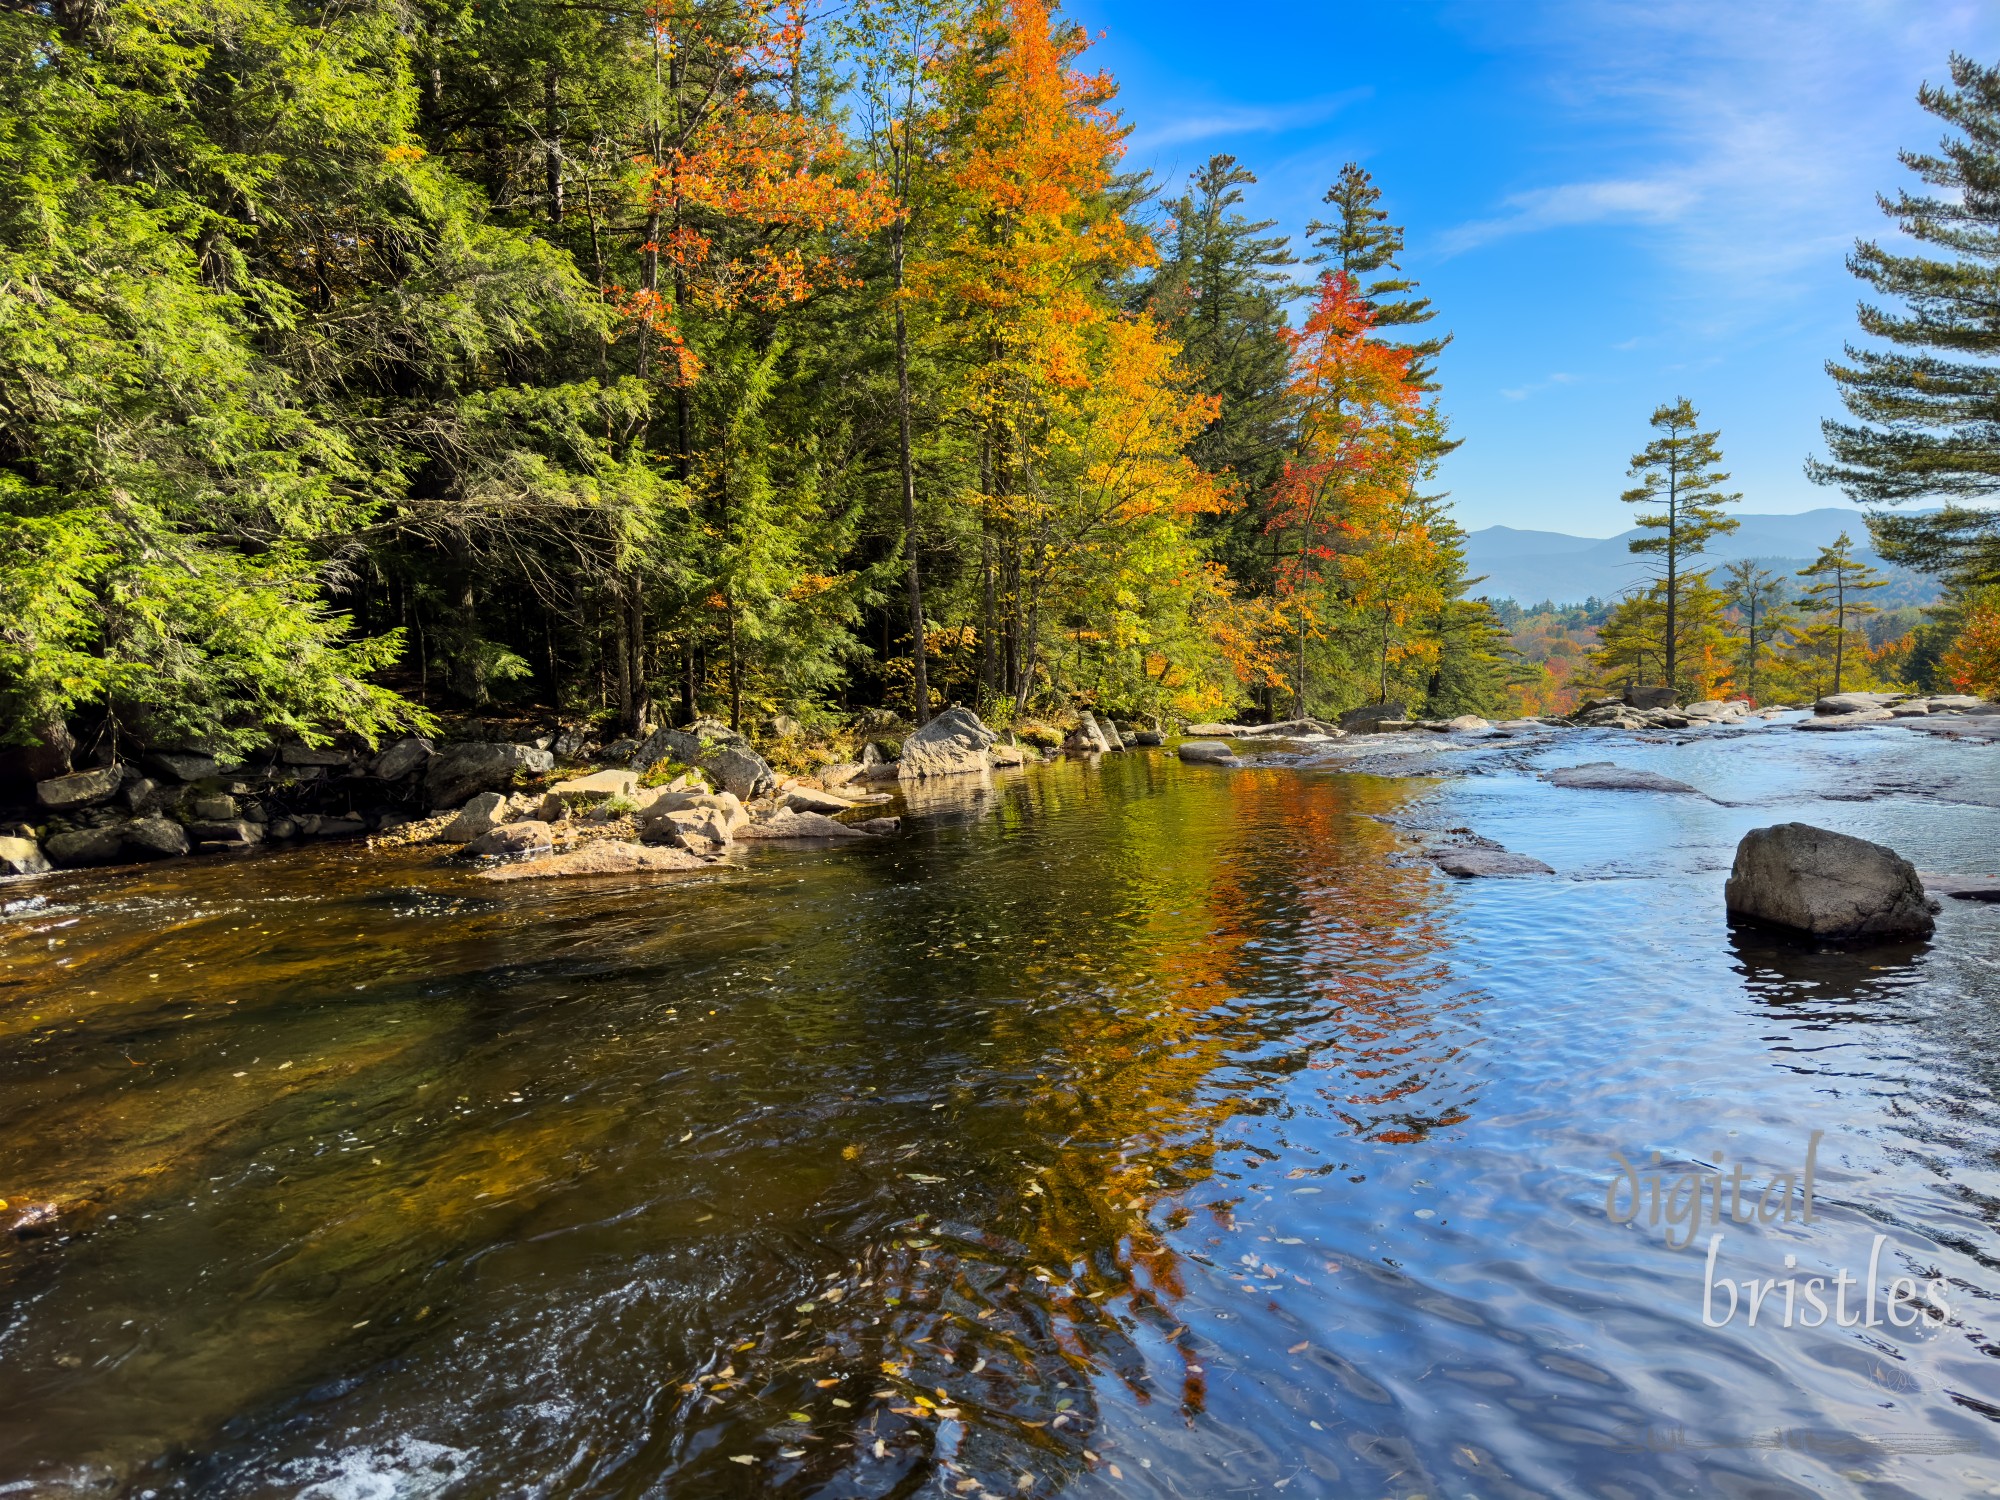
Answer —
1143 1130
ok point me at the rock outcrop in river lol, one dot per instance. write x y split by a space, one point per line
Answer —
1827 885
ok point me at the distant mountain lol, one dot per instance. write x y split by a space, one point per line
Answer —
1531 566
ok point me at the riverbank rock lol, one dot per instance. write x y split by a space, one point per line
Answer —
1087 738
1463 724
1374 718
1603 776
79 789
812 799
1856 703
952 744
86 846
1148 738
401 758
606 857
785 824
1962 887
183 765
1207 753
155 838
728 758
728 804
1826 884
1293 729
703 830
1648 697
1854 719
1215 731
227 833
459 769
22 857
599 786
1472 864
476 819
524 840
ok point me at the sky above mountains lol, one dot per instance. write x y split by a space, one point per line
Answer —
1610 204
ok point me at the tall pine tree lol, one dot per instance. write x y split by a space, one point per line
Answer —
1681 471
1927 409
1360 240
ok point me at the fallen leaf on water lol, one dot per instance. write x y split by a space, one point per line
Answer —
743 1458
881 1449
688 1137
799 1416
1300 1347
791 1453
830 1380
843 1405
1116 1472
922 1177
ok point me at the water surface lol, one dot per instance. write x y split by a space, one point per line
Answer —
1137 1129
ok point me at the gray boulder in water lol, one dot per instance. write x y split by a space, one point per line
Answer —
1826 884
1603 776
1207 753
952 744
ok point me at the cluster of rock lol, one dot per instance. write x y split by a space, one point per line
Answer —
179 802
1655 709
1850 710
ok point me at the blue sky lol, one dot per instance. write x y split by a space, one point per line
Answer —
1611 204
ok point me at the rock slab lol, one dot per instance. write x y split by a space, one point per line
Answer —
1828 885
1603 776
81 789
1469 864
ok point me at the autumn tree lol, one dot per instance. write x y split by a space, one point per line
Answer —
1359 241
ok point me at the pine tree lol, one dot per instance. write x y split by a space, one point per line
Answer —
1359 241
1760 597
1681 469
1839 580
1925 409
1220 291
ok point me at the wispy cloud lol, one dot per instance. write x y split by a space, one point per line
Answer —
1655 200
1751 135
1535 388
1245 119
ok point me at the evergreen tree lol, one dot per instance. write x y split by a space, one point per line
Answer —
1360 241
1220 292
1836 597
1760 597
1679 469
1925 409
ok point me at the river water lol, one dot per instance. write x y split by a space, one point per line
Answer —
1134 1129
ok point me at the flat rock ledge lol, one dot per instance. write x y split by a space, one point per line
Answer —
605 857
1962 887
1472 864
1826 885
1604 776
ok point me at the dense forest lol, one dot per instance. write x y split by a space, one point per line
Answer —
364 362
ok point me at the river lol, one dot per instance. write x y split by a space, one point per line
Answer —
1137 1129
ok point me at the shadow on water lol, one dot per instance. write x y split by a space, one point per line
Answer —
1131 1127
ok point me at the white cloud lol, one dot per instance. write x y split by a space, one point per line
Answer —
1753 138
1523 392
1232 119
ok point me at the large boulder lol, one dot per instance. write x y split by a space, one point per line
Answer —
479 817
786 825
183 765
1088 738
155 838
459 769
727 804
80 788
1855 703
1371 717
725 755
86 846
702 830
22 857
952 744
599 786
308 755
1828 885
1207 753
1648 697
401 758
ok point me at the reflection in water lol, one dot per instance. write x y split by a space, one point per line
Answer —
1138 1118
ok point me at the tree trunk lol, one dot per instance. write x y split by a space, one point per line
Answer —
552 143
920 679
